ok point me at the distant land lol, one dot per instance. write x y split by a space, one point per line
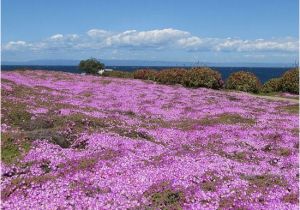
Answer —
107 62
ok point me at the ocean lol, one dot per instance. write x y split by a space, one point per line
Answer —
263 73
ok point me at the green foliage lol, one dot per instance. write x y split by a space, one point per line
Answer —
171 76
91 66
21 182
86 163
272 85
227 118
164 196
265 180
243 81
145 74
292 109
38 123
16 114
203 77
118 74
290 81
11 150
167 199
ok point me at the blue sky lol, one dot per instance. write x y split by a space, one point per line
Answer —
170 30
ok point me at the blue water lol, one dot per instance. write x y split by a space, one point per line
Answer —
263 73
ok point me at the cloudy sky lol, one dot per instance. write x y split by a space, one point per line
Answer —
168 30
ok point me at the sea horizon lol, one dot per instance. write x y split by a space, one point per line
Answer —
263 73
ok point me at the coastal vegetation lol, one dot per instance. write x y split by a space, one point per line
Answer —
145 74
91 66
272 85
243 81
71 141
204 77
290 81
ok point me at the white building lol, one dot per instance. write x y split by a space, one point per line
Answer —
104 70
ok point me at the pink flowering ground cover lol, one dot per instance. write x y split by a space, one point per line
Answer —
84 142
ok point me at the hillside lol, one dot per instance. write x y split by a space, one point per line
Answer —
106 143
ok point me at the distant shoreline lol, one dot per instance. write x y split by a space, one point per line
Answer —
263 73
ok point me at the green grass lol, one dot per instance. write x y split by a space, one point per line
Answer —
118 74
11 150
209 186
268 94
227 118
265 180
88 163
21 182
292 109
189 124
16 114
166 198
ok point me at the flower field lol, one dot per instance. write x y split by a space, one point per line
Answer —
85 142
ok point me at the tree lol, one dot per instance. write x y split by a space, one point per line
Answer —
91 66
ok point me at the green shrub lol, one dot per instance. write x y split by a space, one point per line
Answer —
272 85
290 81
171 76
203 77
91 66
145 74
243 81
118 74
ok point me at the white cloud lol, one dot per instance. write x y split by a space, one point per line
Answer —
287 45
190 42
15 45
97 33
239 45
61 37
72 37
163 39
155 38
57 37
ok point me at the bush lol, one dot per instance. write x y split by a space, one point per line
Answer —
145 74
290 81
243 81
91 66
272 85
203 77
118 74
171 76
